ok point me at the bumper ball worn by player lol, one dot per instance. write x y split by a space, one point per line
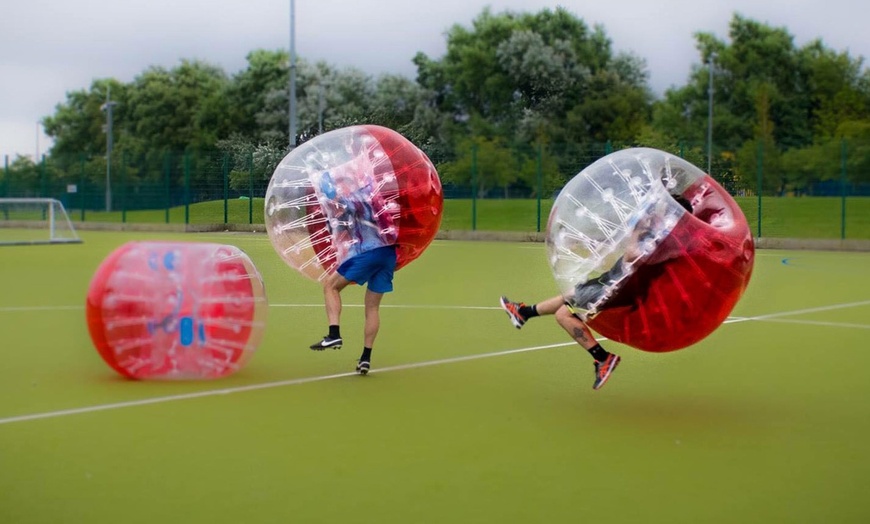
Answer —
647 250
353 205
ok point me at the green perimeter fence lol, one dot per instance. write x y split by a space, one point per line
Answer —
486 188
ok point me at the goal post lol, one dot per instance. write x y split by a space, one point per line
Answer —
25 221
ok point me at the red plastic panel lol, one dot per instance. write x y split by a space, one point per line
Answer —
161 310
688 286
349 191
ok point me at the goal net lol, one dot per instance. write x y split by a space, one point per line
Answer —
35 221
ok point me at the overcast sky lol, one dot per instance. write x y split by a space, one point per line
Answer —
51 47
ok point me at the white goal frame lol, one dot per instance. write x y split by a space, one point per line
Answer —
56 221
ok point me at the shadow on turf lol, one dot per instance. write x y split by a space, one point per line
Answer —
672 413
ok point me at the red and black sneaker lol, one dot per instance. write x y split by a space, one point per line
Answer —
604 369
513 311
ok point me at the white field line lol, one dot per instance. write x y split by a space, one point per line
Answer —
815 323
305 380
805 311
14 309
266 385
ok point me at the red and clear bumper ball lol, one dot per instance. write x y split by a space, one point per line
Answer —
649 250
164 310
349 191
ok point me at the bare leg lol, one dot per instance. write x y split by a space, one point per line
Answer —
605 362
520 313
332 286
373 316
550 306
575 327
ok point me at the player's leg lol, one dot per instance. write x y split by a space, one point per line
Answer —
332 286
605 362
380 281
373 316
520 313
372 326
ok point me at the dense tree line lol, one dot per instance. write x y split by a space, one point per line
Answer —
519 100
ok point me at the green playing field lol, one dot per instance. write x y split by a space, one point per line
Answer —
463 419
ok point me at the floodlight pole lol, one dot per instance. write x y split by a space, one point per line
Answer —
710 113
107 107
292 74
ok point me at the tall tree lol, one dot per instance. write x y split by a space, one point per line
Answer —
839 87
78 125
267 71
769 96
165 106
544 76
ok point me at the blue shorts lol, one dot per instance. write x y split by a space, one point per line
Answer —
375 267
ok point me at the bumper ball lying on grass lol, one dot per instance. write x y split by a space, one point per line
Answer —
648 248
349 191
163 310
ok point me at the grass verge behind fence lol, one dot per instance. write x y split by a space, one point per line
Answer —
793 217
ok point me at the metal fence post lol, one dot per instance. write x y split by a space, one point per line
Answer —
226 174
43 191
474 187
539 171
124 187
5 176
760 169
82 184
167 169
186 188
842 188
251 188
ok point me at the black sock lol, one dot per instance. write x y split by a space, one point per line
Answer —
598 353
334 332
529 311
366 355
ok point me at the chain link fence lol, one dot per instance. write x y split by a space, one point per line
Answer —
487 187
